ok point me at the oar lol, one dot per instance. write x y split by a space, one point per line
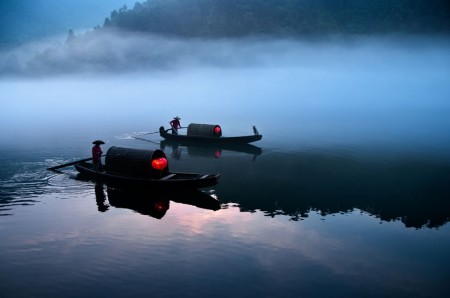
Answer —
145 140
149 133
69 164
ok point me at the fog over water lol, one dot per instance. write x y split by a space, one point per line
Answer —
113 52
361 91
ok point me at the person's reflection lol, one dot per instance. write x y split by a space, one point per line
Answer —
100 197
176 152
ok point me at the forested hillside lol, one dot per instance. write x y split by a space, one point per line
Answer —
109 51
231 18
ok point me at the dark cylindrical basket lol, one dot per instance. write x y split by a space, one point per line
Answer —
134 162
204 130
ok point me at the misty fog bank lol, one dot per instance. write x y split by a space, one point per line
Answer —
115 53
363 92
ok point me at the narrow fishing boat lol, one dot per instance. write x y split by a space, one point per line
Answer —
140 167
208 133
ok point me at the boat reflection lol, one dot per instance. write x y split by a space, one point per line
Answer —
150 202
208 150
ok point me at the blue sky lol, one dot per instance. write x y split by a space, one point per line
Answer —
26 20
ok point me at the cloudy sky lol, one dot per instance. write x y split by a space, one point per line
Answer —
25 20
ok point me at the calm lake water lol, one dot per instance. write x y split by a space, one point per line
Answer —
347 194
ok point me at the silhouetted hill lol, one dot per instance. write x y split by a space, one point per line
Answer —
22 21
232 18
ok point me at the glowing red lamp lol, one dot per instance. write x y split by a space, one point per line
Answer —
160 206
217 129
159 163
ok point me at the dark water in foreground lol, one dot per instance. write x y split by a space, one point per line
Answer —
324 223
321 225
347 195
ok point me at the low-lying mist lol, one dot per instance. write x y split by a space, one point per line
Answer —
112 52
359 91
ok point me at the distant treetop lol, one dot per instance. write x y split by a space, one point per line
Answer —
233 18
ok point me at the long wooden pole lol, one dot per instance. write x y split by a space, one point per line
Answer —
149 133
69 164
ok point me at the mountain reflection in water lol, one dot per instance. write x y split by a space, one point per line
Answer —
413 190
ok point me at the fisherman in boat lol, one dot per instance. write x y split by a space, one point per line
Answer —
175 124
97 155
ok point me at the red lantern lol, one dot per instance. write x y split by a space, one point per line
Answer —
160 206
159 163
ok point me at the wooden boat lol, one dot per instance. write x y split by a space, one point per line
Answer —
143 168
171 180
208 139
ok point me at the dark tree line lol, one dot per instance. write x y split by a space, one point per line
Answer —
231 18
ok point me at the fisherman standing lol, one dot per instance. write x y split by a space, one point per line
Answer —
175 124
97 155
